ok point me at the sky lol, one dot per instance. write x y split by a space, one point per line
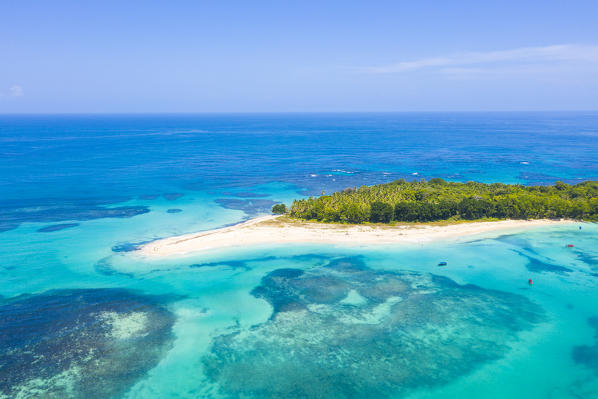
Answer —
297 56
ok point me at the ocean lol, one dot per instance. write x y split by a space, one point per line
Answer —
83 316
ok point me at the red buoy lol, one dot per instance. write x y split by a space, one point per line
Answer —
530 282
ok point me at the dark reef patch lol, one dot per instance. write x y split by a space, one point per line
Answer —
57 227
172 196
148 196
517 241
588 355
238 264
343 330
174 210
11 218
251 207
309 258
348 263
525 249
233 264
535 178
104 267
128 246
589 259
250 195
535 265
6 226
286 273
88 343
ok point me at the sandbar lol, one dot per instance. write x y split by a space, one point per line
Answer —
281 230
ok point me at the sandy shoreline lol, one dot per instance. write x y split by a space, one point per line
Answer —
277 230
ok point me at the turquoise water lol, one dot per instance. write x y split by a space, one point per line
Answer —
80 308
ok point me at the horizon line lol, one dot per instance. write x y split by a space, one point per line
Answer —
288 112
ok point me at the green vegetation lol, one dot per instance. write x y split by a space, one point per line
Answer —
279 209
440 200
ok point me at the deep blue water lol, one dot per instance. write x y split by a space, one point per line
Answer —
96 158
78 193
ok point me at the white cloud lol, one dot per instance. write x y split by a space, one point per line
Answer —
16 91
548 55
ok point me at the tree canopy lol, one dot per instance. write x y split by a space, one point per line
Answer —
436 200
279 209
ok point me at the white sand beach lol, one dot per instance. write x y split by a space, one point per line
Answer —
278 229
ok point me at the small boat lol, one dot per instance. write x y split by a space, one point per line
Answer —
570 245
442 264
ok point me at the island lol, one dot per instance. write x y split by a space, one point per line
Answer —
399 212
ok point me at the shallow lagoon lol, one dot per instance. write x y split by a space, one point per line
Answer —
536 362
531 351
